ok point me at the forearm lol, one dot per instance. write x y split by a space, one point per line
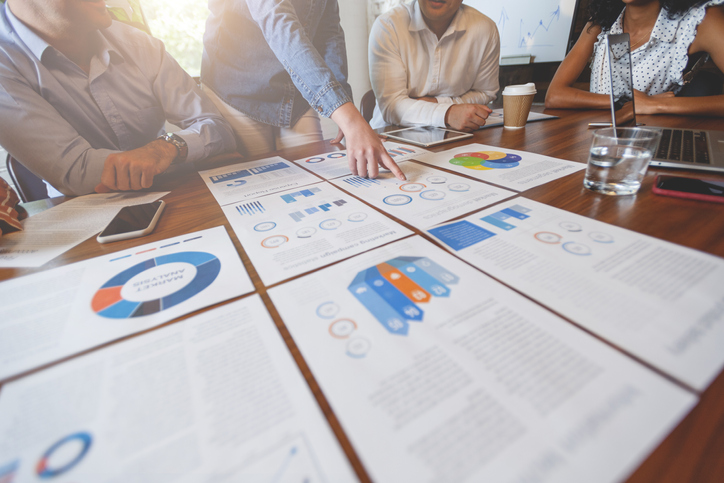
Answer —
474 97
564 97
689 106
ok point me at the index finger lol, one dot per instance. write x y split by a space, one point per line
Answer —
483 111
392 166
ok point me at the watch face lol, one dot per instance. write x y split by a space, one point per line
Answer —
179 143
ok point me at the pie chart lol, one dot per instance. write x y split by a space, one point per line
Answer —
486 160
155 277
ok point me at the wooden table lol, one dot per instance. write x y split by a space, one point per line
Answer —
694 451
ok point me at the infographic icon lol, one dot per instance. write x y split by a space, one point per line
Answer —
483 160
390 291
143 289
48 467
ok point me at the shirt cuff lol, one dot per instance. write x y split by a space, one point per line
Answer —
444 100
438 115
194 143
330 99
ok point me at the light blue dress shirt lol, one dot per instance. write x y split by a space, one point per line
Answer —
62 123
272 59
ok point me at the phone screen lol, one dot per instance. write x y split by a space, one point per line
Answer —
132 218
691 185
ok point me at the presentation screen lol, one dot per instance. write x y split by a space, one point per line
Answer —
539 28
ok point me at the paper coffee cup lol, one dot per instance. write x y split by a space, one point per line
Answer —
517 100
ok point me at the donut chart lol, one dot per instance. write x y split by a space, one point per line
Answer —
483 160
108 301
45 470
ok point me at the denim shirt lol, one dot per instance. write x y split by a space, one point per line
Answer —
272 59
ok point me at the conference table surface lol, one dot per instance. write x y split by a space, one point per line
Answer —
694 450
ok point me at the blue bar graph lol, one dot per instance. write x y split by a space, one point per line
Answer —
520 209
247 172
358 182
323 208
515 214
496 221
306 193
250 208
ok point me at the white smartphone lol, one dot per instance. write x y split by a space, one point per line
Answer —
132 222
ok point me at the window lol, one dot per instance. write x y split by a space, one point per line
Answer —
180 25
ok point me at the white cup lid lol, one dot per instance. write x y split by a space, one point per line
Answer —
520 90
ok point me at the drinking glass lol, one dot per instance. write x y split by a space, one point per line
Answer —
619 158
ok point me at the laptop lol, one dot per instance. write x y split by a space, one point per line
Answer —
679 148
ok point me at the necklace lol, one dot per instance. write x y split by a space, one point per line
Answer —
639 40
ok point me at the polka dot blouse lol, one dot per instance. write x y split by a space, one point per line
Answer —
659 63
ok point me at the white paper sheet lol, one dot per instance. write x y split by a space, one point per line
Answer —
216 398
516 170
252 179
439 373
56 313
293 232
428 197
55 231
334 164
660 301
495 118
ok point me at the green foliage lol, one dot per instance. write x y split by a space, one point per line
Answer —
180 25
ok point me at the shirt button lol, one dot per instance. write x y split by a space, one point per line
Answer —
319 109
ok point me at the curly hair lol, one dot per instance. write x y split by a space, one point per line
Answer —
605 12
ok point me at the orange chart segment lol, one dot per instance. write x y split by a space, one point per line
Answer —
402 283
106 297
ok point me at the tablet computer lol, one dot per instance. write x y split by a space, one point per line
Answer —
426 136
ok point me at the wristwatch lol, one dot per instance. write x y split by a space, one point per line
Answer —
183 149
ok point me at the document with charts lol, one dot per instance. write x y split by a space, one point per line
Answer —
496 118
439 373
661 302
334 164
56 313
515 170
217 397
293 232
52 232
252 179
428 196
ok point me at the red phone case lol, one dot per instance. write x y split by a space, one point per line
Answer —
684 194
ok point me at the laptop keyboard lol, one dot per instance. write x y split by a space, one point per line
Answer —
683 145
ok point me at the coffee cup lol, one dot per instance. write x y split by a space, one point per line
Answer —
517 100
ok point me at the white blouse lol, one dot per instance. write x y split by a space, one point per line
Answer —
658 65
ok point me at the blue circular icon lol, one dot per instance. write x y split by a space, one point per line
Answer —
265 226
397 200
44 470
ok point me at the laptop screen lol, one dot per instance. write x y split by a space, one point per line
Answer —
618 52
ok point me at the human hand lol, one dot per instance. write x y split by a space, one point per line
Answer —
135 169
467 117
655 104
365 152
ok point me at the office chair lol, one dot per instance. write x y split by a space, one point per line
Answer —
367 105
701 79
28 186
